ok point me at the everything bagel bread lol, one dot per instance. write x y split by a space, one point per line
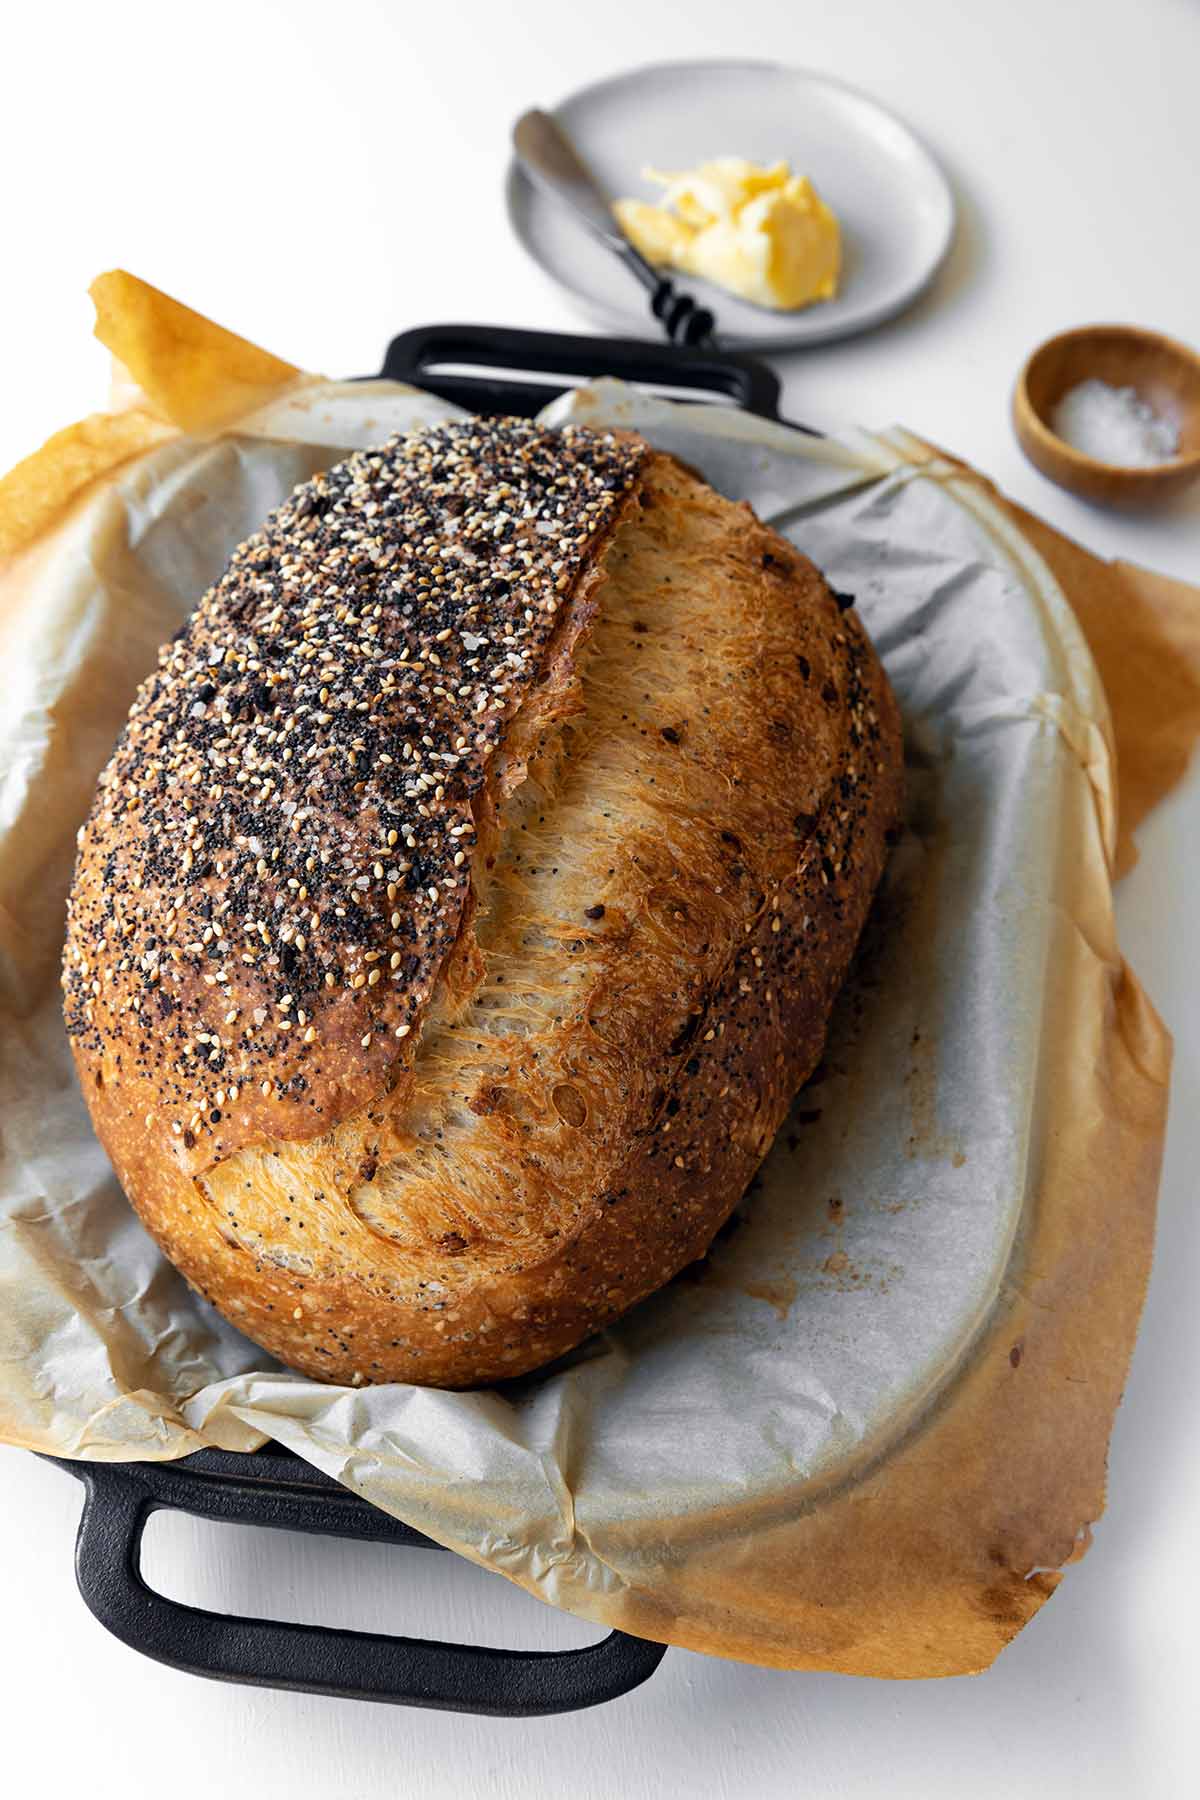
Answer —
467 895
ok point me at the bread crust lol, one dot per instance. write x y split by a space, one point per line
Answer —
673 832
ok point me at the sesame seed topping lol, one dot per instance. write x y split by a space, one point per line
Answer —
340 693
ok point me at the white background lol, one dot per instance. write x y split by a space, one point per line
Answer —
319 176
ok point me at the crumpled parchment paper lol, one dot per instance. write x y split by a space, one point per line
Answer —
863 1435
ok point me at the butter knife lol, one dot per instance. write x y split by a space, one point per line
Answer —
551 161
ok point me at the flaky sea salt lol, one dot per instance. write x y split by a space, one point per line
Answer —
1114 425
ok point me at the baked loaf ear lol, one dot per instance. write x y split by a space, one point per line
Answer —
467 895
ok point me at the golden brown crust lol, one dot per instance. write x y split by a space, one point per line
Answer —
674 849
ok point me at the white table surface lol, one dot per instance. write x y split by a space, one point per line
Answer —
319 177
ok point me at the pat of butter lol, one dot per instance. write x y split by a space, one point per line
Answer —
762 233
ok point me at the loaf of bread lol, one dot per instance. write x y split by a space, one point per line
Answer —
466 897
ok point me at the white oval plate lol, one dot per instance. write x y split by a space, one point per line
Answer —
894 202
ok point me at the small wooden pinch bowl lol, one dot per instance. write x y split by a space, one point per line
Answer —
1166 374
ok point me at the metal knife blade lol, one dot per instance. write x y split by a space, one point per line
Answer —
548 157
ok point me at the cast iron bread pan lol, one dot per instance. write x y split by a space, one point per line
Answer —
488 370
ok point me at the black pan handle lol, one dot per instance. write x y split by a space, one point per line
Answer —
427 355
355 1665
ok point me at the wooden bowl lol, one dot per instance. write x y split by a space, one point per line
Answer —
1166 375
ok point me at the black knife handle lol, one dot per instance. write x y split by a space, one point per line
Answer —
683 321
680 317
356 1665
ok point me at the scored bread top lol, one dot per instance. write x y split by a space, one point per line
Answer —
277 867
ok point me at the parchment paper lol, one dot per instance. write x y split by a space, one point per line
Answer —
866 1433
